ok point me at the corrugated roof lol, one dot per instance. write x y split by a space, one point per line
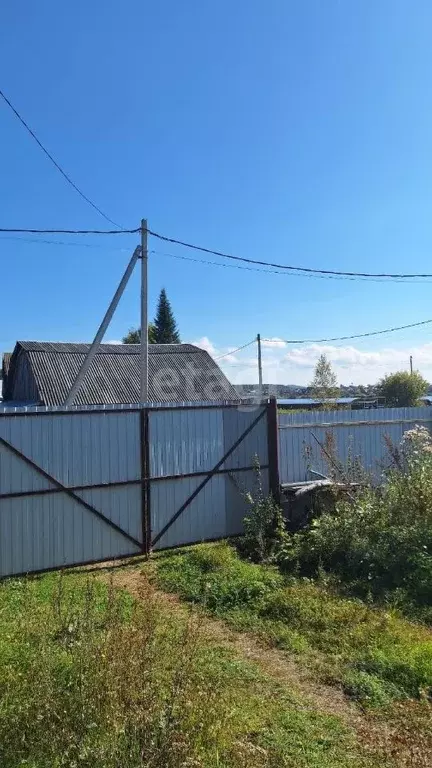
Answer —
177 372
59 347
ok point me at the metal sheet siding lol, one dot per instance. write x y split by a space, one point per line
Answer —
78 449
54 530
41 532
298 450
193 440
204 518
255 443
184 441
99 447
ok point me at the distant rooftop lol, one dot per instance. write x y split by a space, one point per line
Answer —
311 401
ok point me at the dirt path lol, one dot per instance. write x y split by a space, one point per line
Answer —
375 735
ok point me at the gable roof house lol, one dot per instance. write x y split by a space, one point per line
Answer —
42 373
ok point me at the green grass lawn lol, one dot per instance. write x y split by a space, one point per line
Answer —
91 677
376 655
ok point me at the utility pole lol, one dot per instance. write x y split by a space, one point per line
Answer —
260 378
144 315
411 364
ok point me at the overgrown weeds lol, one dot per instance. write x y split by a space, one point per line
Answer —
264 525
377 655
379 542
90 677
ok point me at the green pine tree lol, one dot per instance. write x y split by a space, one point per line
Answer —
166 331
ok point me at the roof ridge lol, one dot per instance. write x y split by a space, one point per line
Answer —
79 348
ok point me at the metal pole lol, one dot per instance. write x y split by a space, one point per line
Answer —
411 364
260 376
144 314
76 386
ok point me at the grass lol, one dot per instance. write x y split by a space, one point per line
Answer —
376 655
91 677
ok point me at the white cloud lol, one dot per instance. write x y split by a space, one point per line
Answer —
283 364
351 364
273 342
205 343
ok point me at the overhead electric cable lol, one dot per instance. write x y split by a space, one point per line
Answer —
55 163
71 231
233 351
282 266
279 272
355 336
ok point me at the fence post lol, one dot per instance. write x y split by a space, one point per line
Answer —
145 480
272 448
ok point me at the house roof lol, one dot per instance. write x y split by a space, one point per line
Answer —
177 373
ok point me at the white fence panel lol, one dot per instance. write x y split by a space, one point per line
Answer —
96 456
185 446
359 434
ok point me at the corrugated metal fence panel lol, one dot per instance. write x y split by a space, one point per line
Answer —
185 440
80 448
354 432
53 530
101 447
188 441
235 422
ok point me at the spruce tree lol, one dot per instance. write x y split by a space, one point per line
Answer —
166 331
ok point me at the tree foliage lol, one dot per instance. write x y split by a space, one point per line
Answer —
402 388
133 335
166 331
324 383
163 330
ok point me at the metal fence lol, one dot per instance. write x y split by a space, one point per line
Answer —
81 485
355 434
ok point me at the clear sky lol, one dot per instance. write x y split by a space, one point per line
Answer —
294 131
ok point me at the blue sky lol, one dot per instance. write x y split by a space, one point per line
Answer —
299 132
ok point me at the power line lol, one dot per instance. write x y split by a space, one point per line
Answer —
37 240
55 163
233 351
283 266
278 272
71 231
355 336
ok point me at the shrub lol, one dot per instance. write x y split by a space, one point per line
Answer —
379 542
403 388
264 526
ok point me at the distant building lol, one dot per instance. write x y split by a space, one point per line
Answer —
309 403
42 373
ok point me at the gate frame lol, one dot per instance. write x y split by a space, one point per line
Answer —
269 410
